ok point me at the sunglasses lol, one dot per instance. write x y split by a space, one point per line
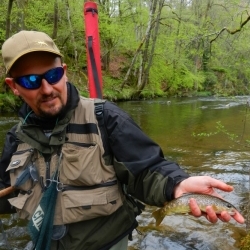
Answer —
52 76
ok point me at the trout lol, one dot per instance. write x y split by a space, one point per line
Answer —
181 206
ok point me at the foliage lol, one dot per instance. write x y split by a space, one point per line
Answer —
210 79
9 103
238 139
112 90
151 92
200 45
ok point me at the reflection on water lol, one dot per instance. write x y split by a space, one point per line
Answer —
173 123
6 122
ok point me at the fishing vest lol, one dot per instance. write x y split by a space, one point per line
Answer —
87 185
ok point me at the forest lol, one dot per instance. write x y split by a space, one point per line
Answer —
148 48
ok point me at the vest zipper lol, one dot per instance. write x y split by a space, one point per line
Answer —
85 145
69 187
47 174
23 151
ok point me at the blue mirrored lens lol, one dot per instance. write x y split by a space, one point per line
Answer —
52 76
29 82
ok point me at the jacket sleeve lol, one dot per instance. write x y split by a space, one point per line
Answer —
138 161
9 148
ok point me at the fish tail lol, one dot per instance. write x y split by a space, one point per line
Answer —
158 216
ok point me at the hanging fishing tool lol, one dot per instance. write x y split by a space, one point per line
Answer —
29 172
41 224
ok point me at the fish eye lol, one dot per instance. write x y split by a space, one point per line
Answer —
229 206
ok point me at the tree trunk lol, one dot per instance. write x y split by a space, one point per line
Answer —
147 41
177 48
7 31
149 57
145 51
55 27
71 31
132 63
21 8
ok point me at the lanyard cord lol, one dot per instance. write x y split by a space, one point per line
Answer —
26 117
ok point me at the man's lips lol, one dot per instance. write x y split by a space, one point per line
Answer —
49 99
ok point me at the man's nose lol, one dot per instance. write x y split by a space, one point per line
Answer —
45 87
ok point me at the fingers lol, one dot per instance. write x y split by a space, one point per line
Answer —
212 216
195 210
224 216
239 218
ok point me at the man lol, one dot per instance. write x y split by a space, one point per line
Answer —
58 141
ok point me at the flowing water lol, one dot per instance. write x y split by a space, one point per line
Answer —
187 131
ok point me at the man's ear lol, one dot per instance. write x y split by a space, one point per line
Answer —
12 85
64 65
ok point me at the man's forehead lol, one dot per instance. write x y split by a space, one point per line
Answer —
34 59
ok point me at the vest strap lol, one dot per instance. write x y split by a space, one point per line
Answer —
99 112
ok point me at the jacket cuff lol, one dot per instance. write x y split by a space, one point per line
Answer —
171 183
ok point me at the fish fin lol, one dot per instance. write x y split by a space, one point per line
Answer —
158 216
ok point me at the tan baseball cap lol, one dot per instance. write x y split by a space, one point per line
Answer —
25 42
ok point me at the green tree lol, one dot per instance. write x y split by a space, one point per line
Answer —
148 47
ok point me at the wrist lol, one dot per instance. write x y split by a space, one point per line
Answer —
178 189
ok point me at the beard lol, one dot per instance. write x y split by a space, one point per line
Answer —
51 110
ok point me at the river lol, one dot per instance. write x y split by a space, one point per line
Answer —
187 131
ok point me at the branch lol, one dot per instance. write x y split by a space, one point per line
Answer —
231 32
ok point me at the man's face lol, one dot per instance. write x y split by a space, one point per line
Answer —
48 100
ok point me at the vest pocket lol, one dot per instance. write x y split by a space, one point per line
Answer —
79 166
88 204
26 203
18 171
19 202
